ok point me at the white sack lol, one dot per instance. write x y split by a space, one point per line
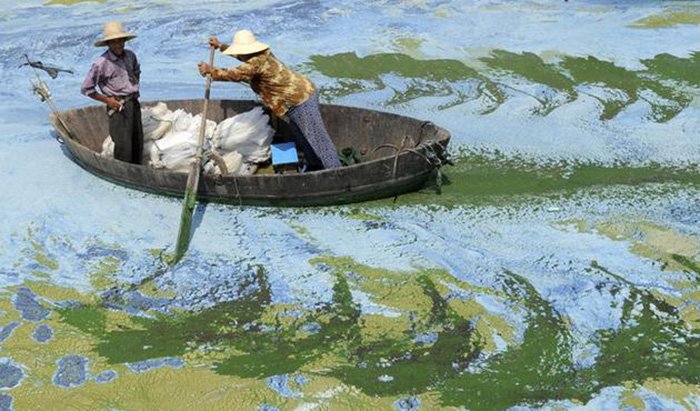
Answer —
146 155
170 139
183 121
247 133
108 147
156 121
173 150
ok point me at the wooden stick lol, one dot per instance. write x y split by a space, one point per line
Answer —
184 233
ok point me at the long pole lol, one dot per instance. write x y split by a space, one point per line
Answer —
184 233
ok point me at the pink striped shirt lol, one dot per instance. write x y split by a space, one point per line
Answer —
115 76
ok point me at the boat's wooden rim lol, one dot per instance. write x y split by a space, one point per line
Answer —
377 176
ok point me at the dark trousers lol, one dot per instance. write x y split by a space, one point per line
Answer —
312 161
311 134
127 132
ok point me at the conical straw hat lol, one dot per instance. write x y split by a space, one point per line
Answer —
113 30
244 43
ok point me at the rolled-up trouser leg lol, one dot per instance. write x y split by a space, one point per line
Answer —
314 140
127 132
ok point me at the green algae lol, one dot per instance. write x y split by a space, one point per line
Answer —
86 318
57 293
349 65
288 350
672 102
391 289
414 367
481 179
673 250
673 389
257 352
103 272
653 241
687 263
164 335
531 67
597 72
40 256
684 70
428 78
248 339
362 215
405 292
438 77
631 401
395 363
670 17
651 343
130 390
408 45
539 369
626 86
71 2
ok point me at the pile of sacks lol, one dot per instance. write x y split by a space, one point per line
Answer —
170 140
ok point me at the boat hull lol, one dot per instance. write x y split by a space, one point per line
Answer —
395 152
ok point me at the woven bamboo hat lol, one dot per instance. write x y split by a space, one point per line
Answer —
113 30
244 43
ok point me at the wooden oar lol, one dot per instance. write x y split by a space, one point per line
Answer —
183 235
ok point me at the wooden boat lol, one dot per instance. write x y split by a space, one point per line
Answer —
398 154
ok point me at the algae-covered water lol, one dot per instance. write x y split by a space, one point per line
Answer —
556 267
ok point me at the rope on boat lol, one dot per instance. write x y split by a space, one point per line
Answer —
422 129
212 154
238 192
426 150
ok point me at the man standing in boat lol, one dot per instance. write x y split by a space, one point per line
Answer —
283 91
116 73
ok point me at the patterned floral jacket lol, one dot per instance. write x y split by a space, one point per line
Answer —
279 87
